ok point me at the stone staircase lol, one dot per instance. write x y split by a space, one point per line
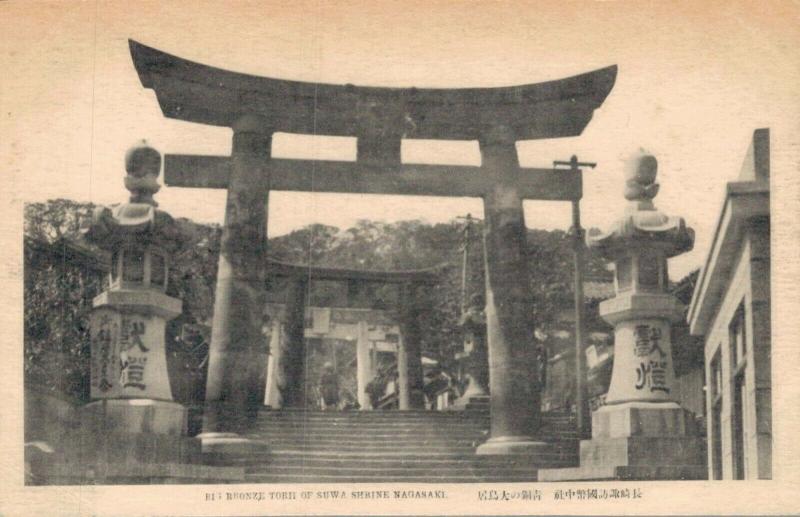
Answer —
395 446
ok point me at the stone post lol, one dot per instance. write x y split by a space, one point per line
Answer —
513 372
641 432
403 399
275 380
238 351
293 359
474 358
364 371
409 356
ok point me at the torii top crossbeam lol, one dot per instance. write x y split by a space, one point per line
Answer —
380 118
199 93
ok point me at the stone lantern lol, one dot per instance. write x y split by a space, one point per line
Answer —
129 318
641 432
132 417
474 357
642 311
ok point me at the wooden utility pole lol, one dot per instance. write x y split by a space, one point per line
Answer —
467 233
582 413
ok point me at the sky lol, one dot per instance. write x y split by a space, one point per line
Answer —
695 79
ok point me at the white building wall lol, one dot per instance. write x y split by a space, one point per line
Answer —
748 287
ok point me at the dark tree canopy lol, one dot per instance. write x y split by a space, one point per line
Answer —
58 297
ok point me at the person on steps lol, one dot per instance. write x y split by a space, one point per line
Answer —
329 387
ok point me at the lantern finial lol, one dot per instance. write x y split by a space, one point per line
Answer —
640 179
143 165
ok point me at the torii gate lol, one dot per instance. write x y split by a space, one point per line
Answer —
256 107
408 309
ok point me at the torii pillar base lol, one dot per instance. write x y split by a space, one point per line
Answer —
224 448
514 445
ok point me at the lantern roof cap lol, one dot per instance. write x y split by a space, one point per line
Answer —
642 224
138 222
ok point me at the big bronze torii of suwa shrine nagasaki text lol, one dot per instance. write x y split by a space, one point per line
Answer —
256 107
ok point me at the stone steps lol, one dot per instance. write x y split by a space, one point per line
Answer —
393 434
407 449
382 418
383 433
379 444
404 469
494 477
395 446
439 460
438 441
454 462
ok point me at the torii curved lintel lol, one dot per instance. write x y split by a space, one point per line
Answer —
409 276
199 93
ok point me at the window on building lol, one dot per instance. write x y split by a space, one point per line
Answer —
716 416
738 337
738 349
716 378
739 456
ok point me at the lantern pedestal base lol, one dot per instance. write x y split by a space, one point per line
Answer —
638 440
122 431
627 473
134 473
654 419
131 441
134 416
122 448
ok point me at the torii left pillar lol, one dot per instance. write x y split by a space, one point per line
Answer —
238 351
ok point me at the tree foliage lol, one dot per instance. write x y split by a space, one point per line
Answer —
58 292
58 297
55 220
57 301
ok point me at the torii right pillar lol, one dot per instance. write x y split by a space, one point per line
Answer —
641 432
513 372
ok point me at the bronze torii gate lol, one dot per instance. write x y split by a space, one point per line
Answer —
256 107
409 354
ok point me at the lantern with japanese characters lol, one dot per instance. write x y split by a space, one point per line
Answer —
129 319
642 311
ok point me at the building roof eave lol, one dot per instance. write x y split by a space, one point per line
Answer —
743 201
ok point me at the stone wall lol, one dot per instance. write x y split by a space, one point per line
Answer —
48 415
